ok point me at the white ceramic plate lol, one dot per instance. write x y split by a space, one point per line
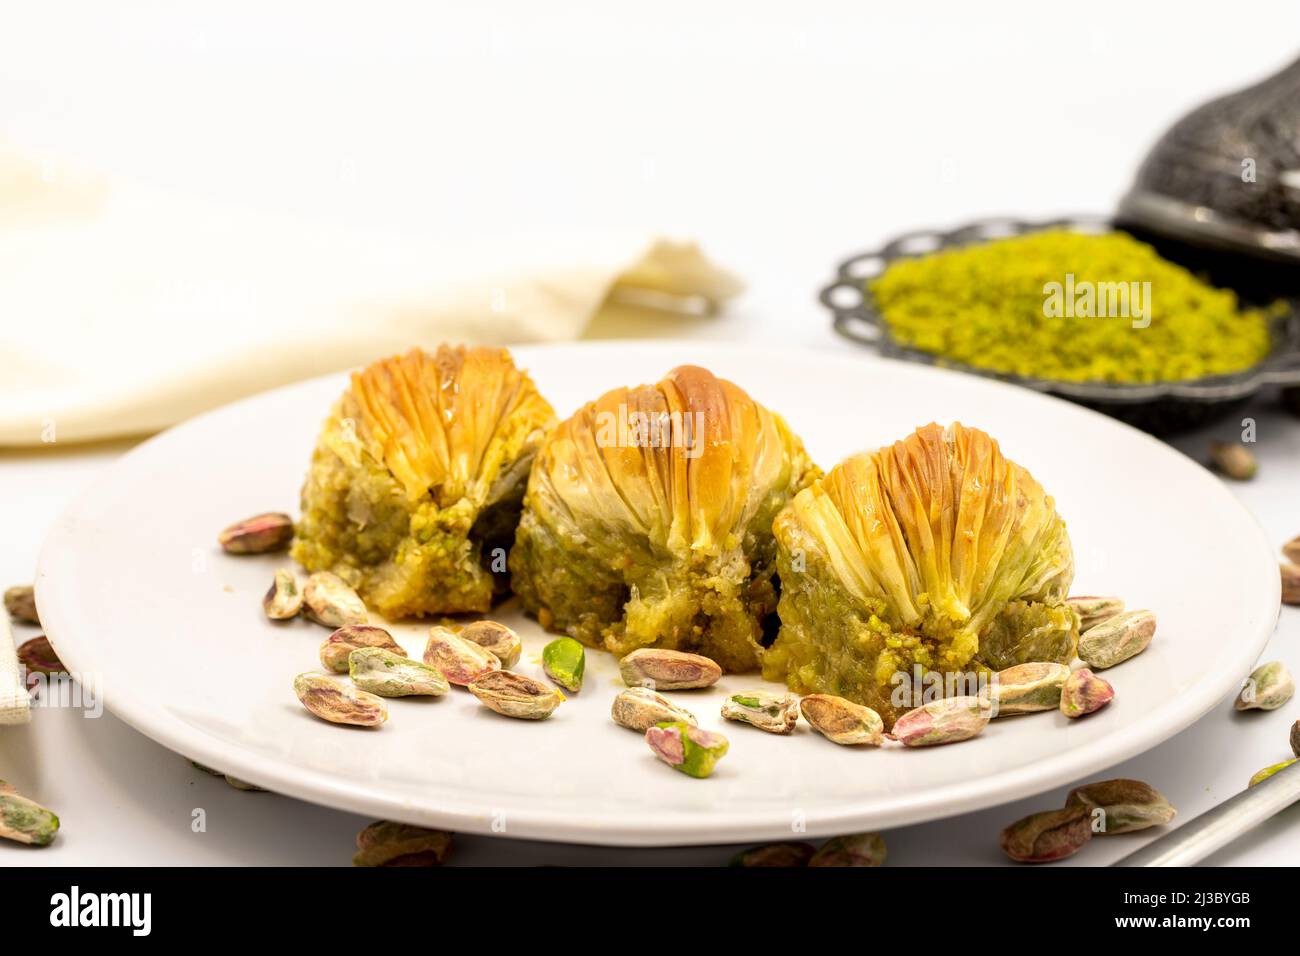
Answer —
133 589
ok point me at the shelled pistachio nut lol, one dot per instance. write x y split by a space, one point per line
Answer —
842 721
1122 806
565 660
1116 640
37 655
1028 688
20 602
1233 460
1093 609
1084 692
1045 837
1268 687
1269 771
336 649
259 534
774 855
283 600
667 670
25 821
243 784
1295 738
685 748
1290 582
460 661
388 843
514 695
500 641
853 849
775 713
1291 550
945 721
339 703
640 708
331 602
385 674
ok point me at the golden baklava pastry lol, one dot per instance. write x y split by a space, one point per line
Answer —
417 480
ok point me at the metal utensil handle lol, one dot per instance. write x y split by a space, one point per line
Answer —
1198 838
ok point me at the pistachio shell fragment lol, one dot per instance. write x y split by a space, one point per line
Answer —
1290 583
338 647
514 695
331 602
1093 610
1233 460
688 749
20 602
640 708
1084 692
775 713
1028 688
774 854
1049 836
460 661
39 658
284 598
565 660
1268 687
338 703
667 670
388 843
1124 805
385 674
853 849
25 821
1269 771
499 640
1116 640
259 534
842 721
945 721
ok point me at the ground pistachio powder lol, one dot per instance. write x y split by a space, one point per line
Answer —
1005 306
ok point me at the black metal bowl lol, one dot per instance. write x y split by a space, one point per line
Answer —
1158 407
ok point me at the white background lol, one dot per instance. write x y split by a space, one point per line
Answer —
782 137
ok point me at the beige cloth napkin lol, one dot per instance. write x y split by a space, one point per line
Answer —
15 704
124 308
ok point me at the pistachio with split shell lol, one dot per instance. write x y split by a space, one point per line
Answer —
389 843
667 670
336 649
1233 460
497 639
460 661
1093 609
853 849
39 658
1084 692
565 660
385 674
1116 640
1269 771
284 598
774 855
945 721
775 713
339 703
1122 806
685 748
331 602
1290 582
1049 836
259 534
842 721
1268 687
20 602
640 708
1028 688
25 821
514 695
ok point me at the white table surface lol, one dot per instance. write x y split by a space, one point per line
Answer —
783 141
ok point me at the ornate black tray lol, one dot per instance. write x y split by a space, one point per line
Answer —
1161 407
